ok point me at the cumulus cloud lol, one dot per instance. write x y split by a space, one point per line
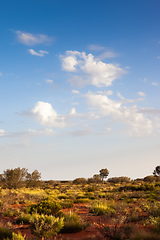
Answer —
32 39
47 116
40 53
89 71
138 124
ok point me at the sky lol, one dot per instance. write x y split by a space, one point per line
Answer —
80 87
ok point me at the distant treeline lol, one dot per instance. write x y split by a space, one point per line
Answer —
20 177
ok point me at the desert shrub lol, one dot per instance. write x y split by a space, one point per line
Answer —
45 226
23 219
45 207
82 200
67 204
119 179
11 213
117 230
101 208
18 236
72 223
154 209
62 196
90 195
5 232
79 181
150 178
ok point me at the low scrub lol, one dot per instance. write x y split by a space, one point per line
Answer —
101 208
45 207
45 226
72 223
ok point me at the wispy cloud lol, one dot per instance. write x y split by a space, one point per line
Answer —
155 84
90 71
49 81
142 94
75 91
106 55
30 39
40 53
95 47
0 74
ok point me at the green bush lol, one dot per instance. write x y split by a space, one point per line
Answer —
17 236
67 204
23 219
82 200
45 226
72 223
101 208
45 207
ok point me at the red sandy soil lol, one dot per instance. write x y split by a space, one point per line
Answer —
90 233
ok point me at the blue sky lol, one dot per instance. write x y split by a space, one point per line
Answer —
80 87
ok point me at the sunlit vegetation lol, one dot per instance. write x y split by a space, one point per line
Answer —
123 208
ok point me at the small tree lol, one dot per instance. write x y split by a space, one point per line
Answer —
14 178
156 172
104 173
33 178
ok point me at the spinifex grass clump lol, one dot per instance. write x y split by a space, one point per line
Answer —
45 207
18 236
45 226
101 208
72 223
23 219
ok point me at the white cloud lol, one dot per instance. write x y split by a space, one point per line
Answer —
93 72
40 53
72 111
39 132
0 74
110 92
49 81
47 116
124 100
32 39
141 94
75 92
136 121
69 64
155 84
2 132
